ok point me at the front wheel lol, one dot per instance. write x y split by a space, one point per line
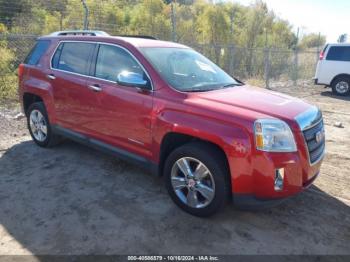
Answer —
196 179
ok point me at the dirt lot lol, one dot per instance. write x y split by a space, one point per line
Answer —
75 200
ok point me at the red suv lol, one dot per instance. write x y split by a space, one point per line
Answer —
170 109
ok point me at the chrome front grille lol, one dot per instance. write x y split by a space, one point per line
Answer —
311 124
315 141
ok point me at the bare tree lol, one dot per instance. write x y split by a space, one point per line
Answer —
342 38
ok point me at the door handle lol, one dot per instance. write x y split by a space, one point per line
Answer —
51 76
95 88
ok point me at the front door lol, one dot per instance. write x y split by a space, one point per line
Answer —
122 113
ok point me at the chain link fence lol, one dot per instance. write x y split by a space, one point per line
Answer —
19 45
263 64
259 66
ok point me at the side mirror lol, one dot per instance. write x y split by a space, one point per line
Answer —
127 78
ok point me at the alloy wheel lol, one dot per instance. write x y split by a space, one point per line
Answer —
192 182
38 125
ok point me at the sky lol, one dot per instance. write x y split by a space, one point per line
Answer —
330 17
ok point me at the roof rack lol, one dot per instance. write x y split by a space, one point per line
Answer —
80 32
140 36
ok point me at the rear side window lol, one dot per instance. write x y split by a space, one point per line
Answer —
339 53
37 52
73 57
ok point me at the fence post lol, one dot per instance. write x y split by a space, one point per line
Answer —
317 53
173 21
231 62
86 16
267 67
296 67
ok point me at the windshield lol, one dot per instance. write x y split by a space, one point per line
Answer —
186 70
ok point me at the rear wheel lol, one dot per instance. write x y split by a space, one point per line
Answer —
39 126
341 86
196 179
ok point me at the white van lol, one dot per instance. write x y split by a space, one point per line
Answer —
333 68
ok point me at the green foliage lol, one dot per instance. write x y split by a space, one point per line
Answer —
12 9
7 57
8 80
3 29
312 41
8 86
196 21
213 29
151 17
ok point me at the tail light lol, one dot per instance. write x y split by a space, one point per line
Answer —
20 71
322 55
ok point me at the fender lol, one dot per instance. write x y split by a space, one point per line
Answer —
36 86
234 140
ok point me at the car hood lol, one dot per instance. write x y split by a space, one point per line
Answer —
260 100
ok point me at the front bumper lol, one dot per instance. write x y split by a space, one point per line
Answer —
256 175
251 202
253 175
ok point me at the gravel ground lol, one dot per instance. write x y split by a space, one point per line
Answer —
74 200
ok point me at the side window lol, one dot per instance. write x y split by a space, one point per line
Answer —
339 53
56 57
73 57
112 60
37 52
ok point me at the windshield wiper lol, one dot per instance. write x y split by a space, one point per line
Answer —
202 89
198 90
231 85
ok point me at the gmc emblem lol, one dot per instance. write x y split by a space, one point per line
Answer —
319 136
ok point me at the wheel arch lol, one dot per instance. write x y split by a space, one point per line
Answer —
33 95
338 76
29 99
173 140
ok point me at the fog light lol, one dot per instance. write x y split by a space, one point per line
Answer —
279 179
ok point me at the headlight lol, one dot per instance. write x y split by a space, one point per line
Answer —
273 135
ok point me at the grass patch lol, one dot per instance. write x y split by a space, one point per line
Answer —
8 87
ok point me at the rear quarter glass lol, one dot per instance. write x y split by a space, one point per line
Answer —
37 52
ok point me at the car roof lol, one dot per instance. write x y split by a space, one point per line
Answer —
135 41
338 44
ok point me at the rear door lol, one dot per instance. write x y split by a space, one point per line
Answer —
337 62
72 98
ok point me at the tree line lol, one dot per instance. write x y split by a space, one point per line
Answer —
197 21
212 29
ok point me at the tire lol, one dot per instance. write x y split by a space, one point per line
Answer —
192 194
341 86
38 122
